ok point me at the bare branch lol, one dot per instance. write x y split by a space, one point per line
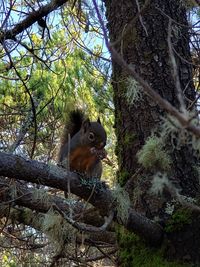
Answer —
22 132
84 227
140 17
41 202
175 70
31 19
34 106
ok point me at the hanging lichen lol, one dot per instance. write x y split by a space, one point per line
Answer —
57 229
153 155
122 202
173 131
41 195
159 182
134 92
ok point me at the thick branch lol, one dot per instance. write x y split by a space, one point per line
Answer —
36 172
31 19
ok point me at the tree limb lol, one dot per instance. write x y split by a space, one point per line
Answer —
33 171
31 19
30 218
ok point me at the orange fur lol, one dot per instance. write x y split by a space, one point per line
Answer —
81 159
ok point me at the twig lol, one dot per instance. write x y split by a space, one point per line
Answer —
84 227
175 70
105 254
23 130
32 52
140 17
31 19
33 111
88 200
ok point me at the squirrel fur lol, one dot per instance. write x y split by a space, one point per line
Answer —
82 145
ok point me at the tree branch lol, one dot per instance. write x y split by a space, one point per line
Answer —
30 218
42 202
33 171
31 19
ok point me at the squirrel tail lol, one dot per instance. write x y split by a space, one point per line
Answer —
72 126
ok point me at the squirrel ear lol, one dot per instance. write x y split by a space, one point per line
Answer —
99 120
86 124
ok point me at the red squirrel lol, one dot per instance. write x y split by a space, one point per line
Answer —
82 145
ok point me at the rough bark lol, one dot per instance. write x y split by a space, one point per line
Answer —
144 46
149 55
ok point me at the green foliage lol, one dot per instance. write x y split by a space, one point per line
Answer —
178 220
135 253
153 155
8 261
54 93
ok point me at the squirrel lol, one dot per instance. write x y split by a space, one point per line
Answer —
82 145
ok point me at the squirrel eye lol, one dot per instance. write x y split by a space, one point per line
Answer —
91 136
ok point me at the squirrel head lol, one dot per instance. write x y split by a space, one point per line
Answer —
93 134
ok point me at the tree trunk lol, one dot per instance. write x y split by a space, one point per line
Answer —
142 42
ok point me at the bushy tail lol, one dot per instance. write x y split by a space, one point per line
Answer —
72 126
76 118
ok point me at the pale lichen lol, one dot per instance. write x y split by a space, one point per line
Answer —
154 155
122 201
41 196
173 131
159 182
134 92
57 229
169 209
